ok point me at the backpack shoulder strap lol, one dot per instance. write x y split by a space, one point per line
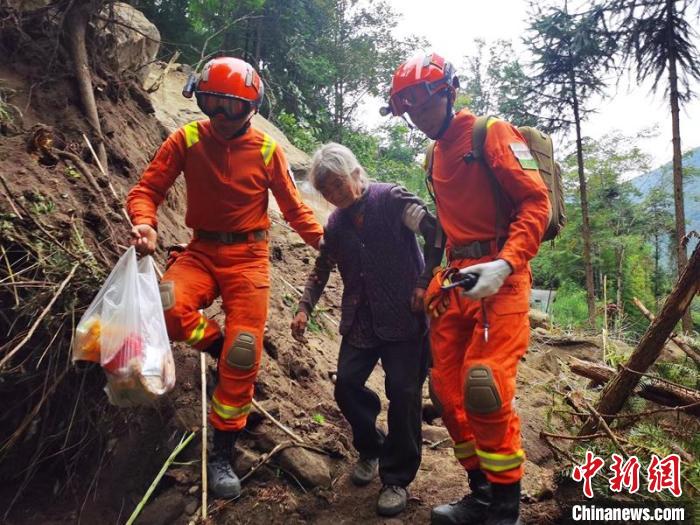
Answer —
428 163
481 126
428 167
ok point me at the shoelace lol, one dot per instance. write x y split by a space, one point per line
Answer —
395 489
367 463
221 466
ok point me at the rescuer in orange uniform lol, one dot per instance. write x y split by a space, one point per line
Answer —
477 336
229 167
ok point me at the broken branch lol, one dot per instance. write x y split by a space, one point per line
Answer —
276 423
39 319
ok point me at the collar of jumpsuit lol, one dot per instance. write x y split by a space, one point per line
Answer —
455 131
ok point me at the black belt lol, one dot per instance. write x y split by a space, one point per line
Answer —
476 249
231 237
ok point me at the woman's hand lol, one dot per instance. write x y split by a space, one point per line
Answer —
298 326
417 304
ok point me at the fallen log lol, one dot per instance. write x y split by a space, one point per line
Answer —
689 351
620 387
561 340
661 392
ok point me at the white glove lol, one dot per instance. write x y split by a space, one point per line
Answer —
412 216
491 277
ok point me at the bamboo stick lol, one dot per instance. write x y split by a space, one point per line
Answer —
183 443
203 367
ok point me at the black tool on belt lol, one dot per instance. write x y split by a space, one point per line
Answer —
465 281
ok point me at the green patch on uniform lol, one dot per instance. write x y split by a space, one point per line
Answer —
522 153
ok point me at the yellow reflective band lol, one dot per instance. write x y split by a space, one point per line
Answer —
191 134
500 462
465 449
490 122
198 333
268 148
227 411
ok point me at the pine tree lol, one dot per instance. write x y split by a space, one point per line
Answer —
657 38
571 54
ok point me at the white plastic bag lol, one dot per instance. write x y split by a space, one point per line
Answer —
124 330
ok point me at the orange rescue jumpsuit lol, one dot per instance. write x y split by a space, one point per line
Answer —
469 373
227 191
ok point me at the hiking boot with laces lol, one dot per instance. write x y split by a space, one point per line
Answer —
223 481
365 470
472 508
392 500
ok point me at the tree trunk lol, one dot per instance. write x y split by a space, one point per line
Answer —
682 256
657 391
258 41
618 295
76 25
650 346
656 270
586 227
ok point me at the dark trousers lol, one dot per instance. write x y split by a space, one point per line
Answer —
405 367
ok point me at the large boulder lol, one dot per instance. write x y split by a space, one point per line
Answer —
130 41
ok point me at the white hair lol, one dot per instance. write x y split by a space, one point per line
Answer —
333 158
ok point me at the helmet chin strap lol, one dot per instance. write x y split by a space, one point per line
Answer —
242 130
448 119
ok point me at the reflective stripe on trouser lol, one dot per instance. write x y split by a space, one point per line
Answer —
227 412
457 343
500 462
465 450
240 273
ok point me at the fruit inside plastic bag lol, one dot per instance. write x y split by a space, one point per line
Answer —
124 330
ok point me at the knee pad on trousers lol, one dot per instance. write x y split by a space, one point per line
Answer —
167 294
241 355
433 396
480 391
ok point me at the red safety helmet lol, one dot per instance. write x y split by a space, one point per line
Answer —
418 79
228 85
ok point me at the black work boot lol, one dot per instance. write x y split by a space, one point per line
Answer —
505 509
472 508
223 481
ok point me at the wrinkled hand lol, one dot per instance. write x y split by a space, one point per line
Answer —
143 237
492 275
417 304
298 326
435 299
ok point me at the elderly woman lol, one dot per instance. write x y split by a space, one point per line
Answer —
371 236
